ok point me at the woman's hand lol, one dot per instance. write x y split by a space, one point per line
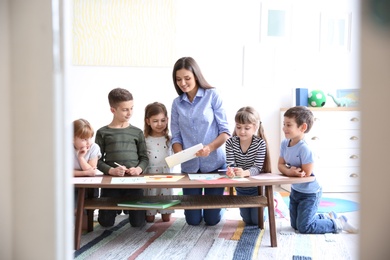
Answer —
204 152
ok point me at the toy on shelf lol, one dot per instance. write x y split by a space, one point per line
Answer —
317 98
341 102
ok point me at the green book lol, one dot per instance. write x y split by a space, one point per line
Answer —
149 204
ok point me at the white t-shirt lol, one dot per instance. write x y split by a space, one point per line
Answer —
93 152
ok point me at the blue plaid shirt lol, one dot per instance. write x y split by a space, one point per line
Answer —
199 122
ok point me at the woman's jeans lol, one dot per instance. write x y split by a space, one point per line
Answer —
211 216
303 214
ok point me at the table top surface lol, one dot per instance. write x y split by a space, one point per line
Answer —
172 180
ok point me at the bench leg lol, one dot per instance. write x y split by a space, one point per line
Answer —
271 215
90 194
79 217
261 209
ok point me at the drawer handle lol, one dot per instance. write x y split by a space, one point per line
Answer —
353 157
353 175
354 119
315 138
354 138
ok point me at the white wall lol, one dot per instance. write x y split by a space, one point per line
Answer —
246 68
27 227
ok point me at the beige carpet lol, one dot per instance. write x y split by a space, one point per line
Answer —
292 245
230 239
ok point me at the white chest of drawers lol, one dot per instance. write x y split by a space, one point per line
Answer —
335 139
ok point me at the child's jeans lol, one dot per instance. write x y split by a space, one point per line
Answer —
106 218
211 216
303 214
249 215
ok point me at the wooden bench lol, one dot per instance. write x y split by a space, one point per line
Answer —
264 199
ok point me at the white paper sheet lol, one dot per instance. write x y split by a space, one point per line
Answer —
127 180
268 176
78 180
205 176
183 156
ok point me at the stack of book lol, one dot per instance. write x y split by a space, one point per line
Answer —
149 203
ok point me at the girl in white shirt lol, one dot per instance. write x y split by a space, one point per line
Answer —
158 144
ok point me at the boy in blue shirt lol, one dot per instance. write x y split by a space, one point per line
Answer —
297 160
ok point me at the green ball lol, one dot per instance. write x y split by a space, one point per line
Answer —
317 98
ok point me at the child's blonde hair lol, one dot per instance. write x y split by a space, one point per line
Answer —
248 115
82 129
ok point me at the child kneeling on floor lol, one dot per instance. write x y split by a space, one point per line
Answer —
297 160
158 145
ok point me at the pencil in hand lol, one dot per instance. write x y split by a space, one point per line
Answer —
117 164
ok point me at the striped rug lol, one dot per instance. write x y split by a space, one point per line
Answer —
230 239
295 246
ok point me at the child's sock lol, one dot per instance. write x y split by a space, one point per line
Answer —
343 225
332 215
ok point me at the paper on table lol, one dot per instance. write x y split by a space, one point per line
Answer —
269 176
205 176
183 156
77 180
163 178
127 180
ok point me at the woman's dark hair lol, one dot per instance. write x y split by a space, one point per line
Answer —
190 64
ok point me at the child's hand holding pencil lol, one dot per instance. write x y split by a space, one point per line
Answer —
120 170
230 171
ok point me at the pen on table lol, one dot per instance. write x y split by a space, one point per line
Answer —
159 177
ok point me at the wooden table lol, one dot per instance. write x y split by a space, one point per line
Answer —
264 198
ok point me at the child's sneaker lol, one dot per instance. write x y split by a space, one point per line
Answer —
343 225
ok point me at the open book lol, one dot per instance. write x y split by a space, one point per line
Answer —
149 204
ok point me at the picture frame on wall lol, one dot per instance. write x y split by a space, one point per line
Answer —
335 31
351 96
275 22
